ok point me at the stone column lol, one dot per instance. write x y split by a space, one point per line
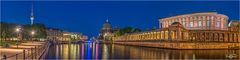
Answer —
169 35
222 37
190 36
207 36
213 37
219 37
163 35
235 37
158 36
226 35
177 35
238 37
182 35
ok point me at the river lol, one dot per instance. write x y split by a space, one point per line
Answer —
116 51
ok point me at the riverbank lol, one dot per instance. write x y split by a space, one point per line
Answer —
184 45
26 50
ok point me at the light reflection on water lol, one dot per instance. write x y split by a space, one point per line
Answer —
114 51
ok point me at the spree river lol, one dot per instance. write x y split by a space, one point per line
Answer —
115 51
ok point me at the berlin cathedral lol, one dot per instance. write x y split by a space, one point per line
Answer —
106 31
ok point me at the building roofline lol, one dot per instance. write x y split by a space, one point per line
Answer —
188 14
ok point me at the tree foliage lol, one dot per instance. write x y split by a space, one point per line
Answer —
125 30
8 30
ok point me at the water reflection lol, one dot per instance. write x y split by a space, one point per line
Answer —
113 51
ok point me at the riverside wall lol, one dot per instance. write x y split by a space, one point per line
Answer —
185 45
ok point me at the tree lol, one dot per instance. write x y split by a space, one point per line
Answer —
38 28
125 30
136 30
154 28
8 30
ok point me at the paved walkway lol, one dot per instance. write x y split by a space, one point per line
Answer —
13 50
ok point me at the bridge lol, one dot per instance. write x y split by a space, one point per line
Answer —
66 41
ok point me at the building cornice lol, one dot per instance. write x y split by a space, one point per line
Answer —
192 14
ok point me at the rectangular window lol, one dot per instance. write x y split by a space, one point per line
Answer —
208 23
218 24
191 24
200 23
184 24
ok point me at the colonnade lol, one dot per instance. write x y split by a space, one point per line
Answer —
168 34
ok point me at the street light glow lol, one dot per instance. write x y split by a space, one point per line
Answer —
32 32
17 29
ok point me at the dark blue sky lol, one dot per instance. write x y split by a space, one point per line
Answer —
88 17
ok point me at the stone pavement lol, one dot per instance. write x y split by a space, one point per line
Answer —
13 50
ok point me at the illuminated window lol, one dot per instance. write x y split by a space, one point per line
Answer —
200 23
218 24
183 23
191 24
208 23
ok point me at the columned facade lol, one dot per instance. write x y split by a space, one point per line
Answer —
198 21
205 30
182 35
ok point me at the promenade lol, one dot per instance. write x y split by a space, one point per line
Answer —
17 52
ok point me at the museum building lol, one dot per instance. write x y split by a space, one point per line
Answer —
197 20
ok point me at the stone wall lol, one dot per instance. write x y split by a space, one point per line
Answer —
185 45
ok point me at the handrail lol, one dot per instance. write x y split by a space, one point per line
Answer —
43 53
14 55
28 53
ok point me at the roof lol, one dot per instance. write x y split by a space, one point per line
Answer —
107 25
190 13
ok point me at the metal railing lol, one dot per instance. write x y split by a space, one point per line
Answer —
32 53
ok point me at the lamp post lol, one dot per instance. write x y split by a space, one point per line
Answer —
32 34
18 30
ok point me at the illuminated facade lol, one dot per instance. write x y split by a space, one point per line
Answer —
198 21
234 25
54 34
57 34
177 34
106 31
73 36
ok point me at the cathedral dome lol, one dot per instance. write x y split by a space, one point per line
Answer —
106 30
106 25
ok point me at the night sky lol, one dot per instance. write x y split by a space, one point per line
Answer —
88 16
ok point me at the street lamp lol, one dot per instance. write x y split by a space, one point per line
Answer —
18 30
32 34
